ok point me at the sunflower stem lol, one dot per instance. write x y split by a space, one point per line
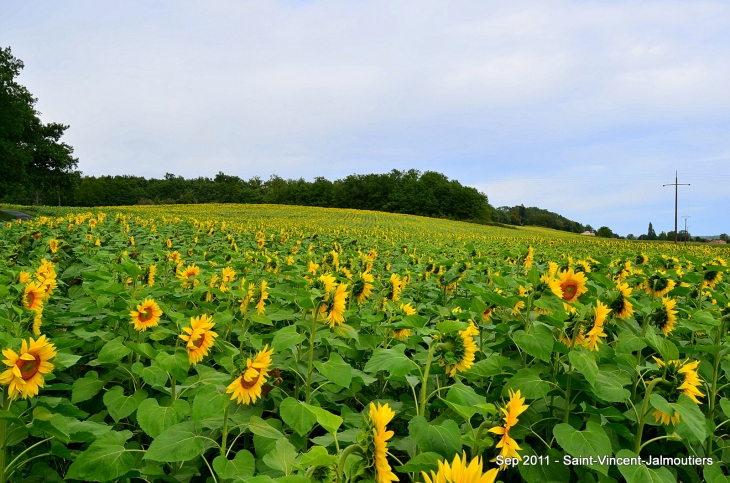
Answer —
424 381
311 356
713 387
352 449
3 448
224 436
642 414
172 389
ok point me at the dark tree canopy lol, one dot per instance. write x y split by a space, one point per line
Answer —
36 165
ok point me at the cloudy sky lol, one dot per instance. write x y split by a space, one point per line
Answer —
583 108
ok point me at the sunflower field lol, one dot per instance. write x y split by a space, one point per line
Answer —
260 343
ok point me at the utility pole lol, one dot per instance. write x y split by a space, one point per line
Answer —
676 185
685 228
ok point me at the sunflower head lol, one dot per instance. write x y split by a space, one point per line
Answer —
33 296
572 284
665 317
26 369
461 471
621 306
147 315
247 387
373 440
199 337
682 378
657 285
363 287
457 349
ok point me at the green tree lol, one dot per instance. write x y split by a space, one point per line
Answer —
651 234
33 160
604 232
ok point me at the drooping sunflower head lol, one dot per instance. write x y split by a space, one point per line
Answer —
458 349
335 304
641 259
621 306
325 283
263 296
582 266
459 471
657 285
147 315
711 278
246 389
363 287
682 378
572 284
25 374
393 287
199 337
665 317
150 276
596 334
373 440
53 245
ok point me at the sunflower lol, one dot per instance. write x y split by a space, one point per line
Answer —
683 376
621 307
200 337
26 371
151 275
658 286
459 471
247 387
190 271
458 351
263 295
664 418
380 416
666 317
600 312
326 283
334 305
529 257
33 296
572 284
37 322
400 334
147 315
711 278
517 308
24 277
641 259
53 245
363 287
514 407
229 275
395 287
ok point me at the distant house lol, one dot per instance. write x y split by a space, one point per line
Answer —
588 233
718 242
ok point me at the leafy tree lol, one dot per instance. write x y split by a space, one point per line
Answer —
604 232
662 236
630 236
651 234
33 160
724 237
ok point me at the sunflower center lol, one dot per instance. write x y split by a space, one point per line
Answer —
199 343
146 314
249 384
569 290
28 369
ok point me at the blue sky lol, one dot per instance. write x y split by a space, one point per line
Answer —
583 108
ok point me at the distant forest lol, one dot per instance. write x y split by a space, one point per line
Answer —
409 192
519 215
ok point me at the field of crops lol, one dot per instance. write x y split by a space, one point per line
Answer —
219 343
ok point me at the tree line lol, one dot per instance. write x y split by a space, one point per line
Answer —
409 192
